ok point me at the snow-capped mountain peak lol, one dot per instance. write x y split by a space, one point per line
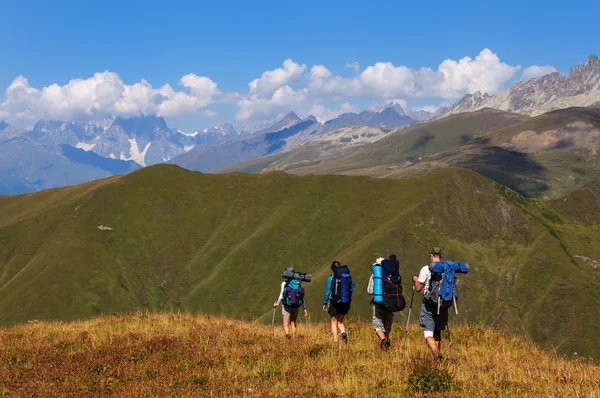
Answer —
394 105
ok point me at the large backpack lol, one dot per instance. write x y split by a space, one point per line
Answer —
442 290
293 294
341 285
393 300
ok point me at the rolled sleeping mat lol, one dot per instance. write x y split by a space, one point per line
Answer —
377 271
289 273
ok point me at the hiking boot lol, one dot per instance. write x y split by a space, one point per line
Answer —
385 344
288 336
438 355
344 337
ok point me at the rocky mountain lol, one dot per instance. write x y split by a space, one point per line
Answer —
252 126
27 165
224 130
145 140
536 96
289 120
282 135
7 132
420 115
542 157
390 115
318 148
359 150
394 105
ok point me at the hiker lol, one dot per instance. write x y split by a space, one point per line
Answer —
385 285
436 281
292 297
338 293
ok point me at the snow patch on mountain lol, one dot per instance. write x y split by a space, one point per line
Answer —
135 154
84 146
195 133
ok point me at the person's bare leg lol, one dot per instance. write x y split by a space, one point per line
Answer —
381 334
293 323
286 324
334 329
432 344
340 323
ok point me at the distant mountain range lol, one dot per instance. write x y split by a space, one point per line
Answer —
43 157
288 133
536 96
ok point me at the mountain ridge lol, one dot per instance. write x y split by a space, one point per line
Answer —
539 95
177 237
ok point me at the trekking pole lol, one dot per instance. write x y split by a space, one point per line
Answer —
273 324
412 296
450 342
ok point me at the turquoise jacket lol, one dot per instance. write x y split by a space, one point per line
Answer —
327 290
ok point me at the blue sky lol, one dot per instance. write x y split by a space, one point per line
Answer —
233 43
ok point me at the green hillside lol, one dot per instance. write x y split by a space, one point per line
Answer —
544 157
403 146
217 244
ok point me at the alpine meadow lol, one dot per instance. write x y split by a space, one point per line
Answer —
299 199
163 238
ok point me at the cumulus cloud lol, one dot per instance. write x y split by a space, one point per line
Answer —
485 73
292 86
272 80
382 80
355 66
536 71
284 98
103 94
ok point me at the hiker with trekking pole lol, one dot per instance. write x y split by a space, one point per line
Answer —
292 297
338 294
385 285
437 282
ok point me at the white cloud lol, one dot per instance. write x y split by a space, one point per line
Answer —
272 80
209 113
536 71
485 73
284 98
355 66
101 95
293 86
201 87
270 94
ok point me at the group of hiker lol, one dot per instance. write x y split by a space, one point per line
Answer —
435 280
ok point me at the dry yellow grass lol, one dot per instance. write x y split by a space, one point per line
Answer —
186 355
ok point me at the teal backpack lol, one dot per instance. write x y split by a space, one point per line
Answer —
293 294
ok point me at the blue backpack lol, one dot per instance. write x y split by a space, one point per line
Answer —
341 286
442 291
293 294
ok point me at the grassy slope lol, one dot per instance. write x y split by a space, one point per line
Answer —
534 172
217 244
183 355
415 142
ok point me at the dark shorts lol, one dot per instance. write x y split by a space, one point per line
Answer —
338 309
430 320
